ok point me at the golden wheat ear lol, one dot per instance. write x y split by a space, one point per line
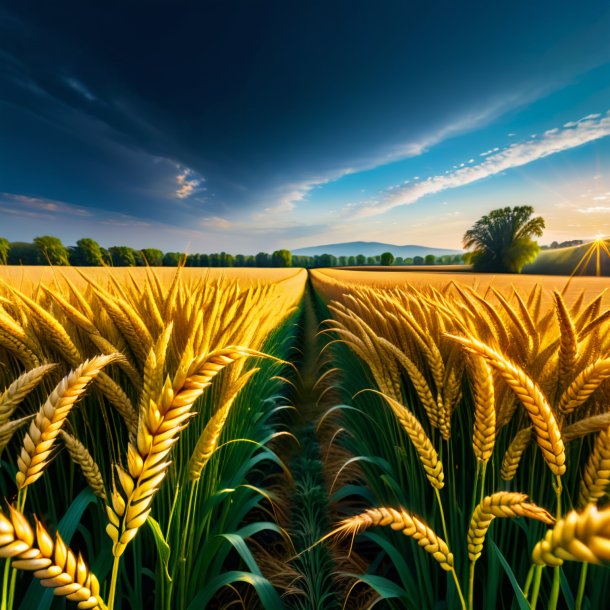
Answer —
39 440
399 520
210 437
428 456
596 475
19 389
81 456
502 504
579 536
52 562
548 434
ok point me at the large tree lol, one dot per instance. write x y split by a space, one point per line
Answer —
52 250
5 246
281 258
87 253
501 241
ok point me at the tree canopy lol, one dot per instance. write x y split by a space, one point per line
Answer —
5 246
501 241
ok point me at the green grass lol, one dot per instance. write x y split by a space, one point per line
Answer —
564 261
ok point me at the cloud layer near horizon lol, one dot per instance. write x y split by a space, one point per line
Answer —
571 135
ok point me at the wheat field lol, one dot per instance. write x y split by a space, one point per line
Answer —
179 438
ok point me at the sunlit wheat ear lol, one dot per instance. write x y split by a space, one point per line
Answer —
425 450
596 476
8 429
548 435
502 504
54 331
584 385
158 430
514 453
87 325
14 338
154 370
19 389
435 412
579 536
81 456
52 562
399 520
583 427
594 324
39 440
484 433
210 437
568 346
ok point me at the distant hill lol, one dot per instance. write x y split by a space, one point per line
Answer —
563 261
371 248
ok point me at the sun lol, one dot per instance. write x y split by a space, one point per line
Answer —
597 247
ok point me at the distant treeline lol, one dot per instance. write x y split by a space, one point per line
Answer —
87 252
564 244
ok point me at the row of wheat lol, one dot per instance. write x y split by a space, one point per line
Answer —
482 406
116 373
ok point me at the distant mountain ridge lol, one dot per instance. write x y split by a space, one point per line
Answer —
371 248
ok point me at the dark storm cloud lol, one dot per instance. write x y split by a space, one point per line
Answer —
106 106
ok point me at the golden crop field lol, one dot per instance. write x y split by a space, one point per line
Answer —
28 277
187 438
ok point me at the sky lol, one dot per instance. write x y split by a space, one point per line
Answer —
247 126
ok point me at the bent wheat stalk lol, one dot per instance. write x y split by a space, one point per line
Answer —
545 425
579 536
407 523
52 562
44 428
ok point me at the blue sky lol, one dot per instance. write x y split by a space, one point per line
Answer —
245 126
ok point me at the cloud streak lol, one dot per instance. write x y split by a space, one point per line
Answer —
572 134
188 184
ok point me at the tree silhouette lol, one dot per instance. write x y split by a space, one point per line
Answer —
501 241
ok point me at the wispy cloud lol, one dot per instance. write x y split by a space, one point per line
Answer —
598 209
215 222
24 205
80 88
572 134
188 183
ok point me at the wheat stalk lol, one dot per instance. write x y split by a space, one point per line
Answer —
398 520
580 536
19 389
585 384
210 437
504 504
81 456
484 433
158 430
44 428
515 451
596 475
568 345
581 428
52 562
9 428
547 430
428 456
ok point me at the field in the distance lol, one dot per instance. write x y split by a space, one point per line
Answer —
26 276
390 279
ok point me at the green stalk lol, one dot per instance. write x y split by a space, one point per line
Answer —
113 582
536 590
528 580
459 589
471 586
581 586
440 507
557 570
21 496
